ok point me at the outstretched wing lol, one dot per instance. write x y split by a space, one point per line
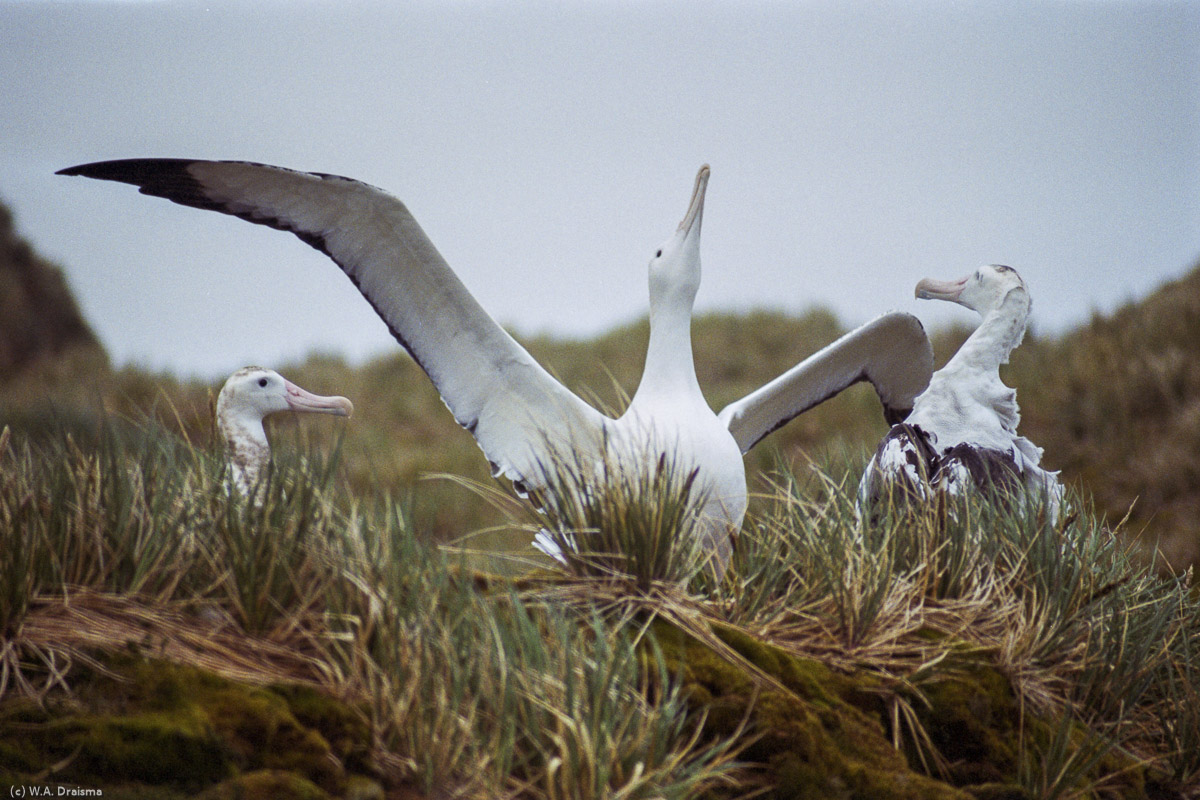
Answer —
891 351
494 388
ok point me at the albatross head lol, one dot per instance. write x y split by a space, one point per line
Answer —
252 393
675 268
981 291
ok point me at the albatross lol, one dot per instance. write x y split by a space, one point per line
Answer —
521 417
249 395
962 433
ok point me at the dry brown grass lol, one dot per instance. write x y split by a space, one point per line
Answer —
1116 405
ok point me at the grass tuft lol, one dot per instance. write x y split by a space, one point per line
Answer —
614 523
975 643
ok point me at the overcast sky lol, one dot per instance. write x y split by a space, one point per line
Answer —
548 148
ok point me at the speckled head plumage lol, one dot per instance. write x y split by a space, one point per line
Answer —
255 392
981 291
249 395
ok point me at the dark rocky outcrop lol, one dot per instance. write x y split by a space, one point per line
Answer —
39 318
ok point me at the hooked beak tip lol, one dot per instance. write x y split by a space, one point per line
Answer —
304 401
696 208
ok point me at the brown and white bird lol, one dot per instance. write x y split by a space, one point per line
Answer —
249 395
962 433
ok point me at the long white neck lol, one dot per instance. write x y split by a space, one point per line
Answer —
670 371
998 334
246 448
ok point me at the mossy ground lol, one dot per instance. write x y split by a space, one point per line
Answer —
813 732
139 727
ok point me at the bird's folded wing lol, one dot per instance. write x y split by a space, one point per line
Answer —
892 352
491 384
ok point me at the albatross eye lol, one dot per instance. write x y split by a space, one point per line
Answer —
262 381
658 254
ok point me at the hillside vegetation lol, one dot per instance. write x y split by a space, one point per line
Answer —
44 339
1115 404
162 638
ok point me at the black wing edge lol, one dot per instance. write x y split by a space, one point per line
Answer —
169 178
160 177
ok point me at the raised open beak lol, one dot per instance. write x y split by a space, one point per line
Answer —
302 400
696 207
930 289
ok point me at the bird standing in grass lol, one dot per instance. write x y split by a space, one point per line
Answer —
249 395
962 433
526 422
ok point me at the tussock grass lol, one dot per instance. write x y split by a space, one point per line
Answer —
608 522
137 542
547 685
1085 633
1116 405
1113 403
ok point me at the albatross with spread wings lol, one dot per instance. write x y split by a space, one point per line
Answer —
516 411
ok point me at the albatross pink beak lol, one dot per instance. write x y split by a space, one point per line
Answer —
302 400
696 208
930 289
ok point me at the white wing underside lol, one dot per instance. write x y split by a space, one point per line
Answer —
490 383
892 352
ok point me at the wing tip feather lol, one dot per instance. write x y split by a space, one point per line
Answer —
128 170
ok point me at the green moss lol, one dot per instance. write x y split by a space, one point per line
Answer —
971 715
265 785
176 749
18 754
262 733
826 734
973 718
360 788
808 740
999 791
345 729
151 723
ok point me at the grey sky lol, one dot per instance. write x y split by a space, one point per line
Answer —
548 149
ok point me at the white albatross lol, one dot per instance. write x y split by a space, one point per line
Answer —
962 433
520 416
249 395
